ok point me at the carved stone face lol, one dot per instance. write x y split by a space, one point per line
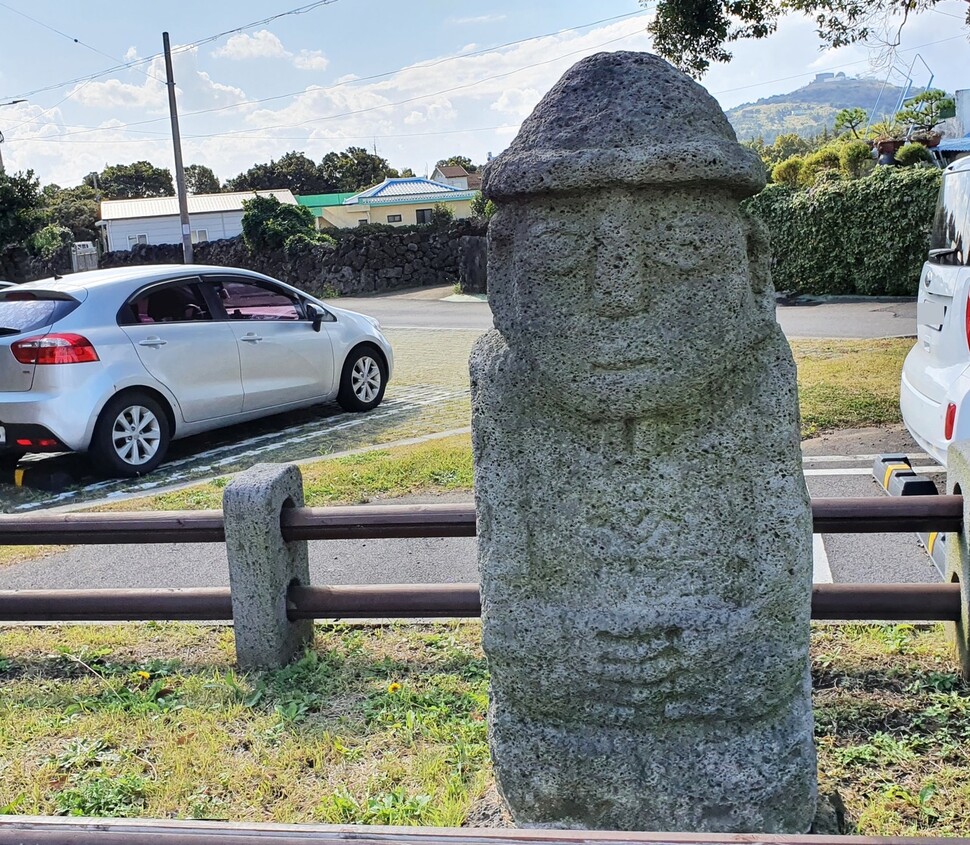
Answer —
628 302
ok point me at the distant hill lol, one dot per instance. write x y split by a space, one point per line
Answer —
813 107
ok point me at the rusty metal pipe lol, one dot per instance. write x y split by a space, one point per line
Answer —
367 522
887 602
876 602
384 600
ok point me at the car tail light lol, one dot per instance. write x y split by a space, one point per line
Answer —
54 349
949 420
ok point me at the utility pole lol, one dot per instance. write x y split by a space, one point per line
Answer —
177 143
11 103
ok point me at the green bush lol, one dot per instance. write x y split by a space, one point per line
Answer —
47 242
912 153
301 242
861 236
856 159
441 216
788 172
268 223
821 160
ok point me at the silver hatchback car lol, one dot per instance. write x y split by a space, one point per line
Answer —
120 362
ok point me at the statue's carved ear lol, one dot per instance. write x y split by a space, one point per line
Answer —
759 252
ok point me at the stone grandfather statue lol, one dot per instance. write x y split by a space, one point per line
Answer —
644 527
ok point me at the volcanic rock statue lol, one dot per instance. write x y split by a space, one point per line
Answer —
644 528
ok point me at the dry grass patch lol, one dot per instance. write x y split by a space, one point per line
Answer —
849 383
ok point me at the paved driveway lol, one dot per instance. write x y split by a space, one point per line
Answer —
430 308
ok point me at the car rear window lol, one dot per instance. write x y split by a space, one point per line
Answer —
951 226
25 312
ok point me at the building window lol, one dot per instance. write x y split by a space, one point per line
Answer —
199 235
423 215
393 218
137 239
362 222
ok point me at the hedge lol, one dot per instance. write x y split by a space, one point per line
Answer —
864 236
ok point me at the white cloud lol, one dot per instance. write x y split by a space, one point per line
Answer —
311 60
131 54
196 89
517 102
259 45
475 19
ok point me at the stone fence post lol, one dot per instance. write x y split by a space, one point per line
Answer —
263 566
958 552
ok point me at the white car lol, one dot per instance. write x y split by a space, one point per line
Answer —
935 391
120 362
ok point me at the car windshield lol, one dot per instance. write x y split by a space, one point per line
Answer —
27 315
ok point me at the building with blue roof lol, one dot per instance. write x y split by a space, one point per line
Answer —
398 202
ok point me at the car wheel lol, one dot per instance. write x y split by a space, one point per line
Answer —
362 380
131 436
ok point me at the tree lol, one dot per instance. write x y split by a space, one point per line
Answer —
20 207
354 169
76 209
268 223
458 161
851 120
924 111
693 33
294 171
200 179
137 180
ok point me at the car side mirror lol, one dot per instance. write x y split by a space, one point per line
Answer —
317 315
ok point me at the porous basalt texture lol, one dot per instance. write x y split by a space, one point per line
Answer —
263 566
644 527
648 123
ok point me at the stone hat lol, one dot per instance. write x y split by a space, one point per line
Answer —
623 119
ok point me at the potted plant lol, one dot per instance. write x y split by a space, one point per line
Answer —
923 113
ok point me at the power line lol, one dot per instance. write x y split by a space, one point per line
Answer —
420 65
299 10
302 138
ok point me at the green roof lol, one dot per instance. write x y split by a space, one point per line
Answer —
316 202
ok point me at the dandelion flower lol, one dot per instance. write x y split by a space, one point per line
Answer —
395 687
144 674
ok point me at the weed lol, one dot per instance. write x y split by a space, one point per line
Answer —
103 795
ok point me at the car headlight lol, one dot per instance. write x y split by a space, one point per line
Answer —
373 321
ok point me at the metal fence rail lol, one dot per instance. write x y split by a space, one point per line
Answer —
916 602
371 522
913 602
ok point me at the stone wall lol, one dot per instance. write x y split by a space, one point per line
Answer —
358 264
18 265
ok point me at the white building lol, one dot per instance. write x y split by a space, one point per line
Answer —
125 223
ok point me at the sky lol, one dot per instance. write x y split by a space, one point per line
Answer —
417 81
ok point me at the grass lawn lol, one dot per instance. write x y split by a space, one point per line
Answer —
387 726
849 383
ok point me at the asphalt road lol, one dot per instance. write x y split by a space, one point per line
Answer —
427 309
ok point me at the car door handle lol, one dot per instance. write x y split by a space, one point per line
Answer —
152 341
251 338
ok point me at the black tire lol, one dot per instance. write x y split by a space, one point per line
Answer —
148 425
362 380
